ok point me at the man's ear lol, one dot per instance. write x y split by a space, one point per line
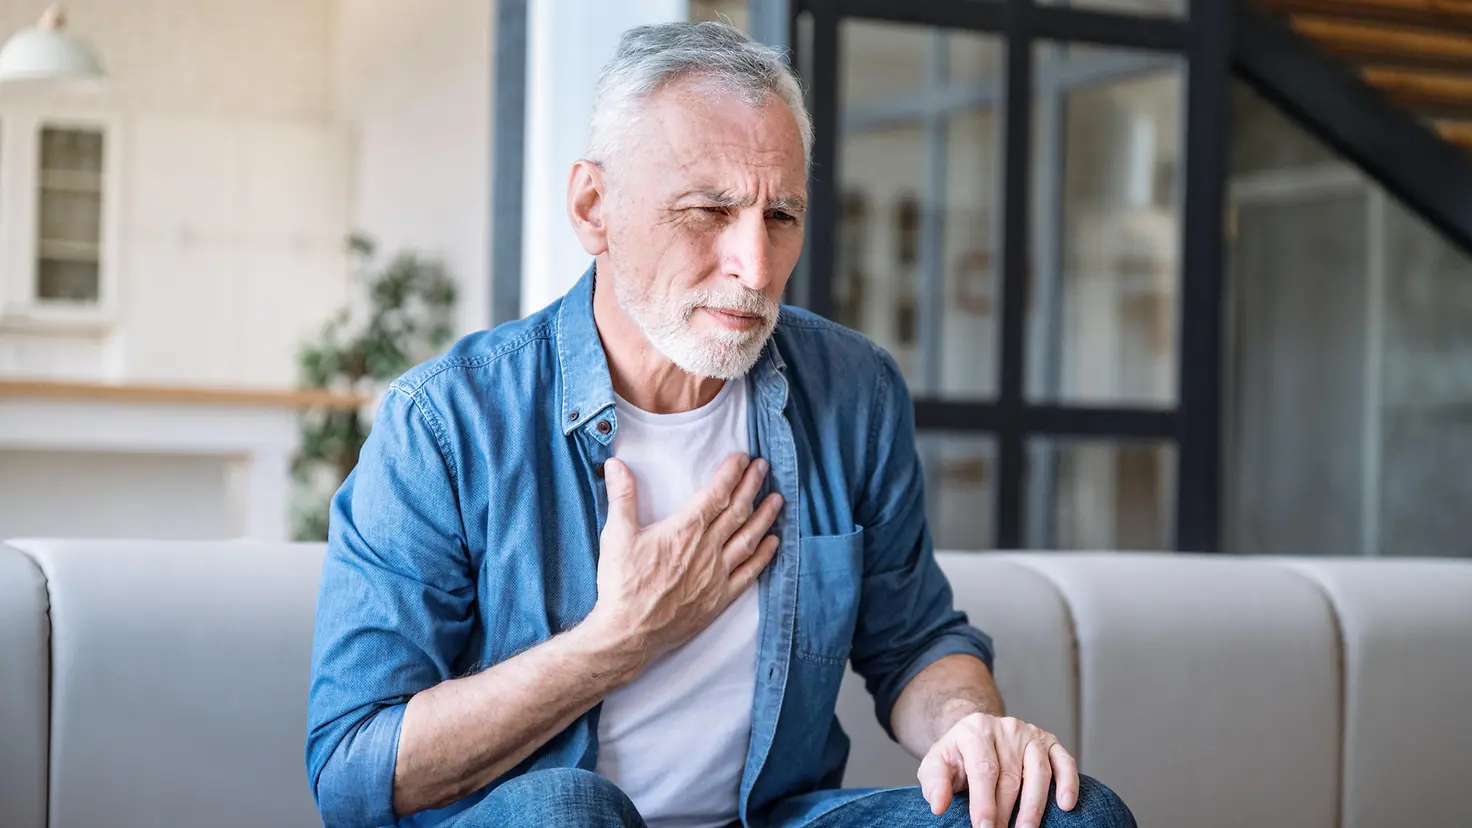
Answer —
585 206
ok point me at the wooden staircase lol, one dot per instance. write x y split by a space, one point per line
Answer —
1417 52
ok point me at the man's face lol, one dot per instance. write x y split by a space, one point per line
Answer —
704 214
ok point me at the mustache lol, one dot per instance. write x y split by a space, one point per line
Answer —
746 302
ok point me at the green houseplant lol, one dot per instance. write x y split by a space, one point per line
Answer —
402 317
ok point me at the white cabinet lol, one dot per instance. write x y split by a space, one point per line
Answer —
59 211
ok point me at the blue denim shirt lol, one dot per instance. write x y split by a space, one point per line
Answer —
469 532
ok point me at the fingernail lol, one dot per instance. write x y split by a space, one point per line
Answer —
745 460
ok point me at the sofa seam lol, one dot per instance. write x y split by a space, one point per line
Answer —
1341 670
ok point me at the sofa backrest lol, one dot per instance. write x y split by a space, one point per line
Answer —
1406 633
179 682
25 665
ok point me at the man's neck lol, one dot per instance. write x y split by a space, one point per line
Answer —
642 375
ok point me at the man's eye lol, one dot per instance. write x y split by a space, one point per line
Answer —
783 218
713 211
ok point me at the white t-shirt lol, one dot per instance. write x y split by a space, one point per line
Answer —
675 738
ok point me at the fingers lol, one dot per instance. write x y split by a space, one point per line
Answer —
710 501
936 781
746 574
979 757
743 544
1037 773
623 497
1009 784
736 513
1065 773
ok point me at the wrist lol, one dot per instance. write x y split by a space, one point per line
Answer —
612 648
952 710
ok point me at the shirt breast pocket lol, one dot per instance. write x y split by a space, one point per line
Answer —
830 574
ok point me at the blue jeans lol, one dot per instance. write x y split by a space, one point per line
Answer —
582 799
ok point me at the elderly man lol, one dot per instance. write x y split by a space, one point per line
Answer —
605 565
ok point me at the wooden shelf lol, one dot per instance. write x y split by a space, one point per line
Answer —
188 395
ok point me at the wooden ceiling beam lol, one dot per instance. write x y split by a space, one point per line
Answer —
1386 44
1440 14
1458 133
1419 89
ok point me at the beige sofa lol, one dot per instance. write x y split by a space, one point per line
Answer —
164 684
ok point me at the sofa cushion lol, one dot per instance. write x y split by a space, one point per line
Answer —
25 656
179 695
1407 634
1030 628
1208 687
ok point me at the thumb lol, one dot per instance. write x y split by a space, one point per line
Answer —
623 497
936 782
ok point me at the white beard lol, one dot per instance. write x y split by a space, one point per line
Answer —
719 354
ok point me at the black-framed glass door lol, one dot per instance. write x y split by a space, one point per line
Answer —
1001 199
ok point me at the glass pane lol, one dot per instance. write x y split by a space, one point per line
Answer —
1425 431
1264 139
960 484
71 217
1152 8
726 11
1103 314
918 177
69 205
1101 496
1299 282
1351 345
894 62
71 149
67 281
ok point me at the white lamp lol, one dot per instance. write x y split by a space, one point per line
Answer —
46 52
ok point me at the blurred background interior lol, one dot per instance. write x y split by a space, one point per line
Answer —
1160 278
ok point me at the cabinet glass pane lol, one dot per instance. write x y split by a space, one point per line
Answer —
69 215
65 281
71 149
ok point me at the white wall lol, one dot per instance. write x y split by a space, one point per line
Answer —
413 84
569 41
166 496
233 181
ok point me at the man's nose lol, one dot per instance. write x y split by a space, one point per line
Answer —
747 247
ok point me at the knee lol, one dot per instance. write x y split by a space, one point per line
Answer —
558 796
1098 807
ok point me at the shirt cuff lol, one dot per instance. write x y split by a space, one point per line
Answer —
961 639
356 786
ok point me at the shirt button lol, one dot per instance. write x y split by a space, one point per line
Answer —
573 416
598 470
604 427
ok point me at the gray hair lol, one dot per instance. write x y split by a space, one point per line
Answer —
721 56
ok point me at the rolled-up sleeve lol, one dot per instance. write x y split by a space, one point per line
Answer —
393 610
907 618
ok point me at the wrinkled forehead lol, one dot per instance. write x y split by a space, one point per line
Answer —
702 137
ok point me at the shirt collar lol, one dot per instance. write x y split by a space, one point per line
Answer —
587 387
